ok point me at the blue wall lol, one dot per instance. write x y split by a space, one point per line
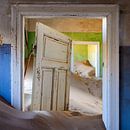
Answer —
5 72
125 88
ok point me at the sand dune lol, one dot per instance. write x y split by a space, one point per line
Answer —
12 119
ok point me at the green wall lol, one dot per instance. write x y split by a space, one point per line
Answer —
77 36
31 40
80 52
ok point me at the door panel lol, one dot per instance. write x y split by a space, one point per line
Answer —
46 92
61 89
57 48
51 79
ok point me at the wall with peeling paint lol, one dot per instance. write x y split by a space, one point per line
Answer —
5 27
5 15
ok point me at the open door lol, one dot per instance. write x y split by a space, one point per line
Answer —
51 78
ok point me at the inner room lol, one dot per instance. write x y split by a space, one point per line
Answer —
86 69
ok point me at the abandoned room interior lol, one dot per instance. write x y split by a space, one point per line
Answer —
64 65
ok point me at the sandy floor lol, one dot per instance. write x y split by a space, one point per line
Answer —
12 119
80 98
84 102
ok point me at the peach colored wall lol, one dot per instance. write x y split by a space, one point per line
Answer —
68 24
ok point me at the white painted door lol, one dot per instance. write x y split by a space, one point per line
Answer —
51 78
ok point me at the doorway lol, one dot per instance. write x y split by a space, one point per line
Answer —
92 53
109 13
86 56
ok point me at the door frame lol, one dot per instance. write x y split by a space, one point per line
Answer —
87 43
110 15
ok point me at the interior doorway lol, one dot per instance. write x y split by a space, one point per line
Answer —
85 78
110 15
92 54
